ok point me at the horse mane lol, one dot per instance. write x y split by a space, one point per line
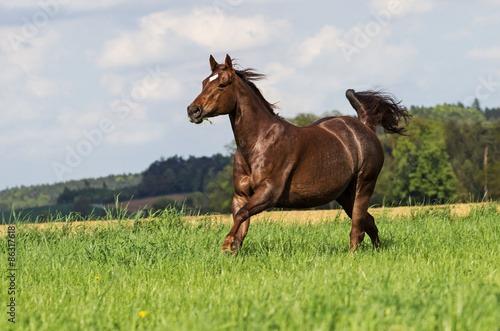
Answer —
249 75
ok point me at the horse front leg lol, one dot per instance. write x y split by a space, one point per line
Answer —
238 202
262 199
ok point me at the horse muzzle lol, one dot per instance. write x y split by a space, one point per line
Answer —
195 114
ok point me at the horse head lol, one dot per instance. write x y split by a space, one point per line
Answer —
218 95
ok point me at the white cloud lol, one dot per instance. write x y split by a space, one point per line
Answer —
403 7
327 39
458 34
29 62
41 86
164 33
56 5
136 132
486 19
113 83
33 54
492 53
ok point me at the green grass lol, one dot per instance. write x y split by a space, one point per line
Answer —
28 215
434 272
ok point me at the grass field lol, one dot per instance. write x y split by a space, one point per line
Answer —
436 270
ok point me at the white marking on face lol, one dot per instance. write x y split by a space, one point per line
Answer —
214 77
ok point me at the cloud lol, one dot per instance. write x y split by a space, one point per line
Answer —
165 33
486 19
72 5
492 53
459 34
327 39
344 46
403 7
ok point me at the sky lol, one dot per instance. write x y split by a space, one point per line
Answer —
92 88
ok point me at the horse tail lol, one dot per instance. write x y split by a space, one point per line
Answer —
376 108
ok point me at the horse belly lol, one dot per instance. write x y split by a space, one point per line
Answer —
317 184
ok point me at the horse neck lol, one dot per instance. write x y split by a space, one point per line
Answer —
251 119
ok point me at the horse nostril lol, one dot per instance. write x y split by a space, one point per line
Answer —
195 113
194 110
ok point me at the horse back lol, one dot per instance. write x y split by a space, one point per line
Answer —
360 142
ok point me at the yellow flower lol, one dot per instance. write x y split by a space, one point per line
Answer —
143 314
97 277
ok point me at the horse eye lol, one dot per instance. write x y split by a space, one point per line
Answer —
221 86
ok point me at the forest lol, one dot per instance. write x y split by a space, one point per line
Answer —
450 153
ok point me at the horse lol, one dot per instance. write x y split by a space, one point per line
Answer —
277 164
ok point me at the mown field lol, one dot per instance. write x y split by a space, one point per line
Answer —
438 269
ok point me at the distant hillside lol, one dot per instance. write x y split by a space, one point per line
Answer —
44 195
163 177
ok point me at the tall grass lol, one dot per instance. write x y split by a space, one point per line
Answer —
433 272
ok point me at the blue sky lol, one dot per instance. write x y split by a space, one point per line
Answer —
92 88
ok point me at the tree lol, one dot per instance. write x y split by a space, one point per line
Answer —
197 202
82 206
178 175
465 142
162 204
220 190
424 172
476 104
492 114
448 113
304 119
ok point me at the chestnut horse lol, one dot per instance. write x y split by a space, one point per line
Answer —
277 164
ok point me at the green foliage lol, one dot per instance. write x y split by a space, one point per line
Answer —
433 272
220 191
304 119
424 172
177 175
448 113
82 206
418 164
492 114
162 204
43 195
197 203
96 195
465 144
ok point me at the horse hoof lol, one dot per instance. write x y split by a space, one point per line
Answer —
231 249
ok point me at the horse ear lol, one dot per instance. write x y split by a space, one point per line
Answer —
229 62
213 63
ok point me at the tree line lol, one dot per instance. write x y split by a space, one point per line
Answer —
48 194
451 153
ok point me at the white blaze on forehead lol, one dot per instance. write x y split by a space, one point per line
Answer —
214 77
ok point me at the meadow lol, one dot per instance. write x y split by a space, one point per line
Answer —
436 270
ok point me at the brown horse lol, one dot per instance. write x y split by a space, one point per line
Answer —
277 164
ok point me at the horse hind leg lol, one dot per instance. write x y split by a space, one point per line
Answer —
372 230
354 200
347 201
361 220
